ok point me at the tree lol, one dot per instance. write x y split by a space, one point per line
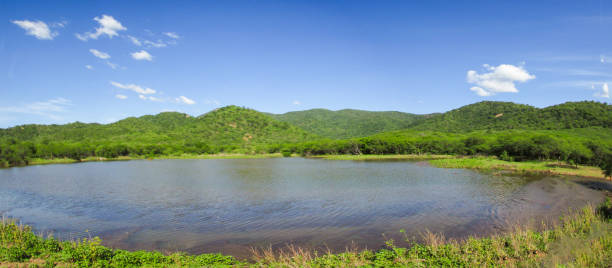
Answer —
606 165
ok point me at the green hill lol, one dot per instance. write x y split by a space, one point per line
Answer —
235 125
486 115
486 127
489 115
228 129
348 123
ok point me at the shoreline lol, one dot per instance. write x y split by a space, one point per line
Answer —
496 166
43 161
486 164
584 235
481 163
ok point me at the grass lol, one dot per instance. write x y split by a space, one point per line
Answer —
19 246
366 157
491 164
527 167
580 239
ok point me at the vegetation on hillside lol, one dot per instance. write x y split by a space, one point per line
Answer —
228 129
348 123
491 115
581 239
577 133
486 115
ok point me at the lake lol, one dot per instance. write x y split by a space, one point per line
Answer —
231 205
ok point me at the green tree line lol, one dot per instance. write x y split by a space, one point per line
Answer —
591 146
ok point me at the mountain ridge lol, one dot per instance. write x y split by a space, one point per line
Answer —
339 124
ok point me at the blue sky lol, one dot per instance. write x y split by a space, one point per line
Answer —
88 61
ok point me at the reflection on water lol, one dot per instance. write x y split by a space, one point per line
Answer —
230 205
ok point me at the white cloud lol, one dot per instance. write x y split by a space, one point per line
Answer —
151 98
121 97
153 44
585 84
38 29
48 108
142 55
605 91
108 26
99 54
481 92
148 43
60 24
135 88
112 65
134 40
172 35
185 100
575 72
89 67
499 79
159 44
296 102
605 59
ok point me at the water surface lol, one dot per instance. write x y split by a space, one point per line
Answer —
231 205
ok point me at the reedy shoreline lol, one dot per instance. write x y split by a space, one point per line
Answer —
486 164
581 239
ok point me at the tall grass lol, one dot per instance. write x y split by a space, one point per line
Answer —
526 167
580 239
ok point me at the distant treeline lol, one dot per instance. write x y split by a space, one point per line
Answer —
592 146
15 153
579 146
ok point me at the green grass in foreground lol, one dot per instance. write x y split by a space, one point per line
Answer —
581 239
527 167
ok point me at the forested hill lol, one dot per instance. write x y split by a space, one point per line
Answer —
348 123
507 115
238 126
228 127
234 129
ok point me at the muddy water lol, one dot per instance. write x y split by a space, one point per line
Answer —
231 205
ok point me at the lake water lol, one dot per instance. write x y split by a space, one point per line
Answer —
231 205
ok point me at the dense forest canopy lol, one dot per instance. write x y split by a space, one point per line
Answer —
507 115
578 132
348 123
